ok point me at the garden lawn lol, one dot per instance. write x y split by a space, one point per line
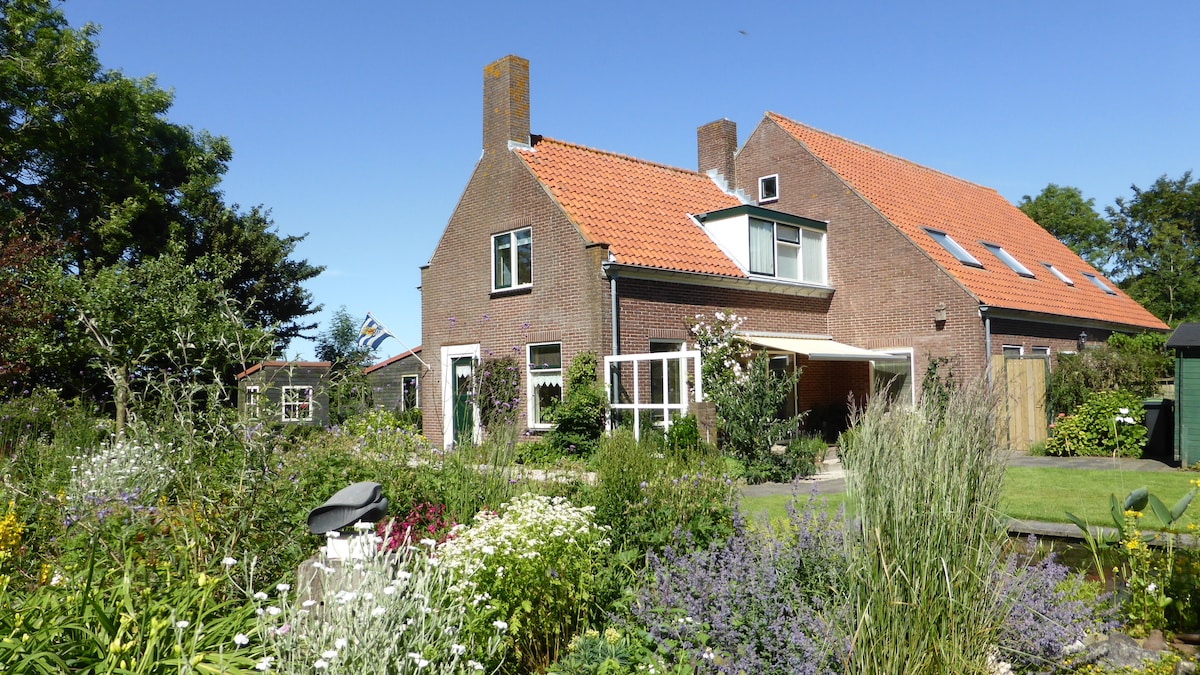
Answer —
1044 494
1047 494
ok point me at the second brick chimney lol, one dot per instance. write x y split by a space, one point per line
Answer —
716 143
505 103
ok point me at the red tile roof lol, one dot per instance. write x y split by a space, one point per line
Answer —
912 196
639 208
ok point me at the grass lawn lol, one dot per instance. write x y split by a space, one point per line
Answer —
1045 494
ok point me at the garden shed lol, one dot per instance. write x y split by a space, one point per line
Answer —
1186 343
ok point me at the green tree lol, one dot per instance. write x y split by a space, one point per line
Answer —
26 265
1158 247
89 158
1074 220
349 391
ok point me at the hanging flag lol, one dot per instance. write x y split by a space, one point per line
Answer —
372 334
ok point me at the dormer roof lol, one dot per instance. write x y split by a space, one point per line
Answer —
918 200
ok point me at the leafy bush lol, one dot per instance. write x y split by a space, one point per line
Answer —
424 521
1132 363
762 602
611 653
497 392
749 419
579 419
684 434
1107 424
532 568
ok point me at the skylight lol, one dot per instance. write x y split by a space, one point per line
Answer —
1099 284
1006 258
1061 277
952 247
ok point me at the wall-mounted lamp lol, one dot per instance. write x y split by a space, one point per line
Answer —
1082 339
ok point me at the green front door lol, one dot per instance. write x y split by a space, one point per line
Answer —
463 425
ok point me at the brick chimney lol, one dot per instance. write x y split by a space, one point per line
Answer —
715 144
505 103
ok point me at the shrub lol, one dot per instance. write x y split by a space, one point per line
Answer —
762 602
579 419
926 484
1108 423
1132 363
393 612
532 567
749 419
684 434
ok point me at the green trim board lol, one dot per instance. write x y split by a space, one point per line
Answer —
764 214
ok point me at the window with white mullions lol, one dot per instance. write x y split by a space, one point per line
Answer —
512 259
297 404
545 382
787 252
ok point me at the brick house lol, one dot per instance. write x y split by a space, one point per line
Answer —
854 265
289 392
396 381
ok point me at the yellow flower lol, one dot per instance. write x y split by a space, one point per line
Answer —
611 636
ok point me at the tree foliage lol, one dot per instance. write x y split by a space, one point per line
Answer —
1158 247
90 162
338 343
1073 220
1132 363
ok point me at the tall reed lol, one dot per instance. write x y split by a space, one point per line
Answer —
925 483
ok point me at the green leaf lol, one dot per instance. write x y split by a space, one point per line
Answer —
1136 501
1182 504
1160 511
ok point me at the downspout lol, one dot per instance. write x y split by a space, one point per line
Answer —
611 273
987 342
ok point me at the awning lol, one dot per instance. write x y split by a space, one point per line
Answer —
819 349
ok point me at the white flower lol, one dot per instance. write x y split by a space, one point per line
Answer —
500 625
228 562
362 526
340 643
428 542
329 654
241 639
378 611
283 588
403 576
1124 411
273 610
264 663
308 603
321 664
475 665
260 596
1152 587
181 624
457 649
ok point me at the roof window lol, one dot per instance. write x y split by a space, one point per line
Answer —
768 188
1099 284
953 248
1056 272
1007 258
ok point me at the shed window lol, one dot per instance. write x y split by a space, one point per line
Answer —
408 392
297 404
253 400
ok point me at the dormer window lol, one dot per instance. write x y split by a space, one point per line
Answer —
1099 284
512 259
787 252
953 247
1007 258
768 188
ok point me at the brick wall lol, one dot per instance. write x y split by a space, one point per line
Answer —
886 288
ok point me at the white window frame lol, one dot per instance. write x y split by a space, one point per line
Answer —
1058 273
762 195
912 384
532 404
513 260
305 407
416 391
1098 283
449 353
953 247
637 406
1020 349
1008 259
1040 350
253 400
823 273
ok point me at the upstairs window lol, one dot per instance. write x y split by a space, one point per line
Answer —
768 188
545 382
1006 258
512 259
1099 284
1056 272
787 252
953 248
297 404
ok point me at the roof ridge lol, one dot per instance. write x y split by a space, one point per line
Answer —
617 155
880 152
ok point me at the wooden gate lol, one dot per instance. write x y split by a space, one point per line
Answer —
1023 382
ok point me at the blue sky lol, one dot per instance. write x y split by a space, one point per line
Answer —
360 123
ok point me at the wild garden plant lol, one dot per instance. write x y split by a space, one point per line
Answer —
925 484
768 601
1106 424
530 568
579 418
390 613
